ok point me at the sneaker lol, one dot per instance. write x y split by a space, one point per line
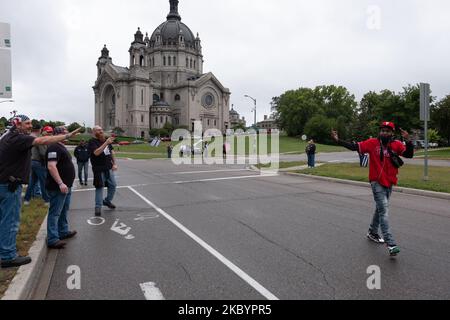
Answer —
375 238
98 212
58 245
109 204
394 250
70 235
17 262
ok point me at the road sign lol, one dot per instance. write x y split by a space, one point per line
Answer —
5 61
424 102
5 35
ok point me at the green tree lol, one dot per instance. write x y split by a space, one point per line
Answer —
433 135
297 107
440 116
319 128
73 126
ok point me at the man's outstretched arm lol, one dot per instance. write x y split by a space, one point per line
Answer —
352 146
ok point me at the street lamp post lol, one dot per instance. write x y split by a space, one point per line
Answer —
254 110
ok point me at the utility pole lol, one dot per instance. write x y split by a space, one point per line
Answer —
425 116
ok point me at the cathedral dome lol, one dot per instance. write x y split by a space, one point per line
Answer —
171 30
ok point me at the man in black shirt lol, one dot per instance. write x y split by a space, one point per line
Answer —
81 153
311 153
59 183
103 165
15 160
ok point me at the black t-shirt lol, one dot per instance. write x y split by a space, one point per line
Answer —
57 152
104 161
15 156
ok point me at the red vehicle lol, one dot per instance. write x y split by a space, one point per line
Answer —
124 143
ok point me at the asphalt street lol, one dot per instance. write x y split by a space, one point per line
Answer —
225 232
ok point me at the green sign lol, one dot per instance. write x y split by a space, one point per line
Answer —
8 89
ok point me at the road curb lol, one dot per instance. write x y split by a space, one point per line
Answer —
27 277
416 192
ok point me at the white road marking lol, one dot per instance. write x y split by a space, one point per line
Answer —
209 171
151 292
100 219
227 178
239 272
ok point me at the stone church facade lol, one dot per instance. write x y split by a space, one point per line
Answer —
164 83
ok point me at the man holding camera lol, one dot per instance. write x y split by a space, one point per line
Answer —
15 159
103 165
384 153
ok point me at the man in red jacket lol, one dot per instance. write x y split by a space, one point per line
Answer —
385 161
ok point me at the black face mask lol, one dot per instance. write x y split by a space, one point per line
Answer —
385 139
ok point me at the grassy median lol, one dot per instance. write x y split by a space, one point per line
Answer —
439 154
410 176
31 220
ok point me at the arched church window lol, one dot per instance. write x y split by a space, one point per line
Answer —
164 60
155 98
174 61
141 61
191 64
131 118
170 60
153 61
177 97
187 62
142 118
156 120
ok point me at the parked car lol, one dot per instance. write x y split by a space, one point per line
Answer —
138 142
124 143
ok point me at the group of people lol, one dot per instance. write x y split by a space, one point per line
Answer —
43 159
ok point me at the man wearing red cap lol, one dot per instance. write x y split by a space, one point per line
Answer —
39 169
385 161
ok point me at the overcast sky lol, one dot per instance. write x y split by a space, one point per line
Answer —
254 47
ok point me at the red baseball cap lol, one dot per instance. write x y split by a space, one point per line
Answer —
48 129
388 124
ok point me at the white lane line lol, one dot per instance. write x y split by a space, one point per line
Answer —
151 292
228 178
184 182
209 171
121 187
239 272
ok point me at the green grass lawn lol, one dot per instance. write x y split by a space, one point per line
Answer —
439 154
30 222
410 176
287 145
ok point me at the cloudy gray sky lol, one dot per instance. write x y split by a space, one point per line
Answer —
255 47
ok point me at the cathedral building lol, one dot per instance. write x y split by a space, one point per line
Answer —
164 83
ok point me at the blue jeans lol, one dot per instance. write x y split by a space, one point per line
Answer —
311 160
10 205
38 177
382 196
112 185
83 166
57 225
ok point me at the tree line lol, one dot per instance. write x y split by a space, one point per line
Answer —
315 111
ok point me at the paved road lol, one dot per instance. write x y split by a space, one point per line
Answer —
249 237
